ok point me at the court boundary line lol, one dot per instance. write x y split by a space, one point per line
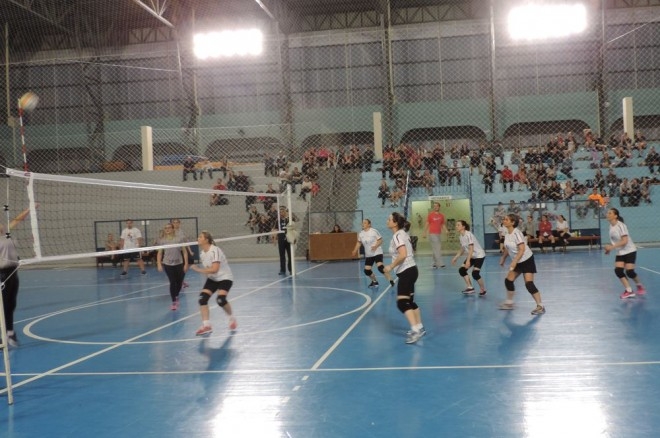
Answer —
54 371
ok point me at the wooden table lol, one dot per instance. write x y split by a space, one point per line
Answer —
332 246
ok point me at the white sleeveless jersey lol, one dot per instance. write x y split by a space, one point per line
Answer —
468 239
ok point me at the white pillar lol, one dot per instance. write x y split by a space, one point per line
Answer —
628 124
147 148
378 136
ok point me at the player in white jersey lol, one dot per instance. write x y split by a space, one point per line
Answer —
522 262
131 238
475 258
404 266
219 278
626 254
372 242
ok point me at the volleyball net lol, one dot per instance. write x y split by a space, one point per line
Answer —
71 218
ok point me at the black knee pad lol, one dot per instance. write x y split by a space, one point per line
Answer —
381 269
462 271
531 287
619 272
221 300
368 272
508 284
204 299
631 273
475 274
404 304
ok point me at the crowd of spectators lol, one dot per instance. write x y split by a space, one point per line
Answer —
547 171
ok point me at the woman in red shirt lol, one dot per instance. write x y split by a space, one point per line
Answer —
545 233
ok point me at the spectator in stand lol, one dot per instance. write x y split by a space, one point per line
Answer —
217 198
443 173
269 200
206 167
639 143
624 193
554 192
383 192
488 182
566 166
497 150
250 200
242 182
507 178
231 181
296 177
652 160
428 181
284 180
521 177
513 208
455 172
645 189
189 167
269 165
305 188
635 194
612 182
388 161
596 202
568 191
281 161
224 166
545 233
322 156
316 188
264 226
253 220
516 157
368 158
438 154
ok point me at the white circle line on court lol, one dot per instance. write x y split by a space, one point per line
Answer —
28 329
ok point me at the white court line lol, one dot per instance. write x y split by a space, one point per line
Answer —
28 329
348 330
352 369
115 346
650 270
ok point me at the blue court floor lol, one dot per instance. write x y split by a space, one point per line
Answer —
322 355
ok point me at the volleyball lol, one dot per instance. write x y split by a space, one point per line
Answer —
28 101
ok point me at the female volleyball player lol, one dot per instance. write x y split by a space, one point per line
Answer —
372 241
522 262
403 264
219 278
174 261
626 254
475 258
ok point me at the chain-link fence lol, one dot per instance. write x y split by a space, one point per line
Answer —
449 108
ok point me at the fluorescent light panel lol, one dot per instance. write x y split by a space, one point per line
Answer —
228 43
541 21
